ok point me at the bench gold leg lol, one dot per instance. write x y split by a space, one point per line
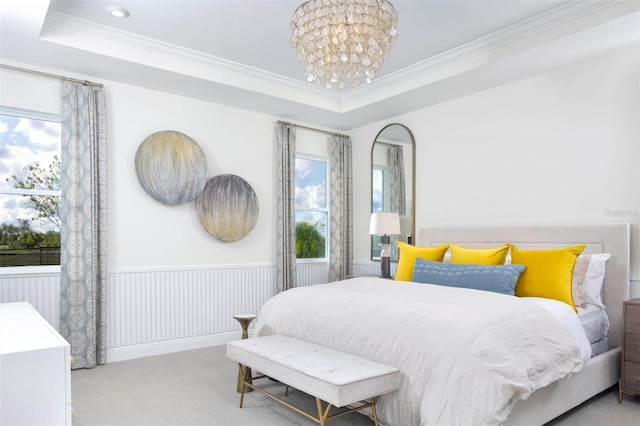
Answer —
242 376
374 400
243 386
322 414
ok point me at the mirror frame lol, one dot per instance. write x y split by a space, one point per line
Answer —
412 180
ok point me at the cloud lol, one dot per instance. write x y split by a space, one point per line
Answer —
40 135
25 142
303 168
311 196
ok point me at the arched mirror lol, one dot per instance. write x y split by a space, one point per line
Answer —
393 183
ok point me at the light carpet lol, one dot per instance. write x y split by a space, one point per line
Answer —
198 387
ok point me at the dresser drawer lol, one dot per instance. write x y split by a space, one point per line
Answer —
632 319
632 347
631 379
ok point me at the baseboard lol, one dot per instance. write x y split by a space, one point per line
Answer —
178 345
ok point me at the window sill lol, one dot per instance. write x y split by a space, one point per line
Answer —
29 270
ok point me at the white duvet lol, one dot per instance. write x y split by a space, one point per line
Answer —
466 355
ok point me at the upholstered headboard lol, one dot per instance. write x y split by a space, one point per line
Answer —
599 238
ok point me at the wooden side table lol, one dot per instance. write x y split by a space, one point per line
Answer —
630 377
244 320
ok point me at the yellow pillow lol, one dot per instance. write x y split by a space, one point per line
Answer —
408 255
548 273
479 256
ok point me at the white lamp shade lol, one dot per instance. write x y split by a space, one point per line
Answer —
405 225
384 224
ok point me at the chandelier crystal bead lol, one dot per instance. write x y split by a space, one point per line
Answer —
343 40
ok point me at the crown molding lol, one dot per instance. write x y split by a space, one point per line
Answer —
80 34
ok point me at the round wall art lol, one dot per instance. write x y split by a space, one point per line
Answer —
171 167
227 207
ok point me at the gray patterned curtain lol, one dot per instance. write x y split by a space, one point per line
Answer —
396 167
286 151
83 217
398 201
341 208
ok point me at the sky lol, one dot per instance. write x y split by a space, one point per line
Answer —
23 141
311 191
310 183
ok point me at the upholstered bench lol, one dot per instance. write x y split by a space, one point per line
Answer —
337 378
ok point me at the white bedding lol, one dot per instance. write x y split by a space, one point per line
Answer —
595 322
569 320
466 355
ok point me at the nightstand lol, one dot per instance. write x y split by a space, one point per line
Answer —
630 378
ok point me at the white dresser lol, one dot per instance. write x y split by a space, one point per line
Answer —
35 369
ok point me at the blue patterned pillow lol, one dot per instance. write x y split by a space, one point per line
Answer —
499 279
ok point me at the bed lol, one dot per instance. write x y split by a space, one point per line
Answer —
387 327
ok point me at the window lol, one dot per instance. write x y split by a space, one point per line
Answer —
378 189
312 213
379 202
29 188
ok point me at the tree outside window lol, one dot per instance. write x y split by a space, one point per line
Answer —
29 188
312 213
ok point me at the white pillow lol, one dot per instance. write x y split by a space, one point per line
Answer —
593 279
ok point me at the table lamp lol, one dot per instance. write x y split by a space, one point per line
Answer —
406 227
385 224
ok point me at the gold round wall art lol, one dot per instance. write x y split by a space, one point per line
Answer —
227 207
171 167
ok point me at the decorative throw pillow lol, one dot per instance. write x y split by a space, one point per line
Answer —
497 278
479 256
408 255
548 274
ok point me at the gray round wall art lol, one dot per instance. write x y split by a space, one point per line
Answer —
227 207
171 167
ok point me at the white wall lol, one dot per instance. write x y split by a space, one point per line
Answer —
144 233
562 147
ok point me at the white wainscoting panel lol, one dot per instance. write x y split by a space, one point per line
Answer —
184 307
42 291
311 273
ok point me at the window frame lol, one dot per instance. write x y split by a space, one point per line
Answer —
42 116
327 210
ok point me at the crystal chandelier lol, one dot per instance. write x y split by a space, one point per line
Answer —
343 40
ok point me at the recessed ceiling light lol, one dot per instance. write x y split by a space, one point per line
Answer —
118 12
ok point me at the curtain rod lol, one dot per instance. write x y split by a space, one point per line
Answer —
311 128
46 74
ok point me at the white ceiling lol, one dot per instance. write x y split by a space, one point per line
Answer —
237 52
